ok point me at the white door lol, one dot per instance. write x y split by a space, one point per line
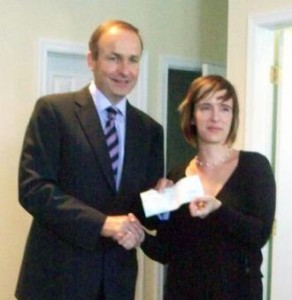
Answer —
66 72
268 130
282 242
62 67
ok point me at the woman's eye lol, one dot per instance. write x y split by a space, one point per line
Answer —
226 108
204 107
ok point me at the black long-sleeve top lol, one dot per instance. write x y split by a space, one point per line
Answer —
219 257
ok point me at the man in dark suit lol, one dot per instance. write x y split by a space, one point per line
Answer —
85 231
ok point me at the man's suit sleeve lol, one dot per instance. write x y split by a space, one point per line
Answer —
39 191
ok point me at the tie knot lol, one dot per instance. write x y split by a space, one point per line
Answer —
111 112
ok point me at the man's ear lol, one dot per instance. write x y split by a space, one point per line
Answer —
90 61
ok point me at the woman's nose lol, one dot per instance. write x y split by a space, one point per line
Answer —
215 114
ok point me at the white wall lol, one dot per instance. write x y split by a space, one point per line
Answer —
173 27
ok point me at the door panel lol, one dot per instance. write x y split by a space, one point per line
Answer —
66 72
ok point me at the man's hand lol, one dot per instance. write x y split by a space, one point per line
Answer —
134 236
115 224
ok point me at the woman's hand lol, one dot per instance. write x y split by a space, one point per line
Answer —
202 206
163 183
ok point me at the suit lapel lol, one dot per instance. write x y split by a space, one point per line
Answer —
90 122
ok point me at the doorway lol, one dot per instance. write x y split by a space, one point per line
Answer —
178 150
268 123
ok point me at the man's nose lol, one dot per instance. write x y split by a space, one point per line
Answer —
124 67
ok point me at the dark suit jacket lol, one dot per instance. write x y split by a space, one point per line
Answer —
65 183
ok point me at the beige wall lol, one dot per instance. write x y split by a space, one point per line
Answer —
239 11
190 29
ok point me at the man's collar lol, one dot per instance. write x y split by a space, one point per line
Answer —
101 101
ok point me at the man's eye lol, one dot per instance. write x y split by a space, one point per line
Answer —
134 60
112 58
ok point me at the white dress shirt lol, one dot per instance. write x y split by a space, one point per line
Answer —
102 103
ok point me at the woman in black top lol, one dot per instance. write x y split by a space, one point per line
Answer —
213 245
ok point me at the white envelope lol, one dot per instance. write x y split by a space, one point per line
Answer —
184 191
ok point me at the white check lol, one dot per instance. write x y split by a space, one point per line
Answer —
184 191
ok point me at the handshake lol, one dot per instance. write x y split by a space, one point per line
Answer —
126 230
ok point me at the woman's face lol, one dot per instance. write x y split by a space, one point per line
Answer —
213 118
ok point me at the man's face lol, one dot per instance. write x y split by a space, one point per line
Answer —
116 67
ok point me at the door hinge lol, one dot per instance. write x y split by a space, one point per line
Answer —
275 74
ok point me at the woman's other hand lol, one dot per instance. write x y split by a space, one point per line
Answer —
202 206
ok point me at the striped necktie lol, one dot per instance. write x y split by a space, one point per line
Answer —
112 139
